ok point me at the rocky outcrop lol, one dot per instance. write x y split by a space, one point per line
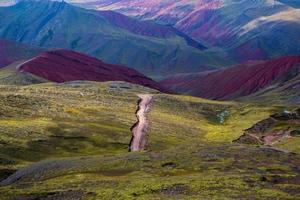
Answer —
273 130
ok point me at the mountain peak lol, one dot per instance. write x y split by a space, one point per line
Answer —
18 2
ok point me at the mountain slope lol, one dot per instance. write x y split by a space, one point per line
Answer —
237 81
287 93
248 30
114 38
70 141
293 3
149 28
7 2
12 51
64 65
9 75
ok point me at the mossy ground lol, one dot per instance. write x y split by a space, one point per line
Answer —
83 130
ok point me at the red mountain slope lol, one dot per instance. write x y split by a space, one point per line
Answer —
64 65
237 81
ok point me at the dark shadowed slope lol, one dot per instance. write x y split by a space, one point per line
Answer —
12 51
237 81
147 28
65 65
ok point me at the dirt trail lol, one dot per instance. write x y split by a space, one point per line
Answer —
23 63
140 128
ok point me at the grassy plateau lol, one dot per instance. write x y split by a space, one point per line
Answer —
70 141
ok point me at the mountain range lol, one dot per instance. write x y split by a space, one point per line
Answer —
114 38
149 99
182 40
206 34
246 30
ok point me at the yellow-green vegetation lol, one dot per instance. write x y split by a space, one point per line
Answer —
190 118
11 76
71 141
197 172
51 120
290 144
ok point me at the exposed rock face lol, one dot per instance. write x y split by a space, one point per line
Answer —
249 139
237 81
64 65
262 126
272 130
287 115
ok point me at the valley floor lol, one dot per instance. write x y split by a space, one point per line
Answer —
70 141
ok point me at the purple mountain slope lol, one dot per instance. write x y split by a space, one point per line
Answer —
147 28
248 30
12 51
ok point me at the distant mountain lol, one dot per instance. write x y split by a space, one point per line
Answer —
65 65
282 92
293 3
229 31
148 28
247 30
7 2
148 47
13 51
237 81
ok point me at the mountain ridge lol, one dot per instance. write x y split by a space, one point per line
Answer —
64 66
231 25
237 81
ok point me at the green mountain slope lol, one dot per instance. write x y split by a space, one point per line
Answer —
11 76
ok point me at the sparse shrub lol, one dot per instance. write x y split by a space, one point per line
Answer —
222 116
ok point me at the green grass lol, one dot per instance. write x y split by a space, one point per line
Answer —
220 172
10 76
195 119
83 129
54 120
290 144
